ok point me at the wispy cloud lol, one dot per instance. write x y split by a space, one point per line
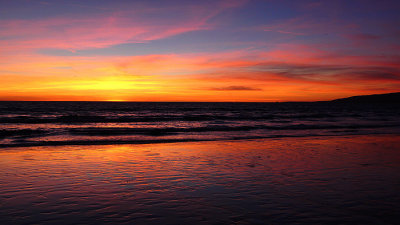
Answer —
115 27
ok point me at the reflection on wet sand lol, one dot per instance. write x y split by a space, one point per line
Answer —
348 179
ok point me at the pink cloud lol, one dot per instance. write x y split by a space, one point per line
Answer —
87 33
99 31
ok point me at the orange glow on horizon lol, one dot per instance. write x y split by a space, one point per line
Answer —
202 77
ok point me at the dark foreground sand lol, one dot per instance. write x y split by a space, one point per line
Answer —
320 180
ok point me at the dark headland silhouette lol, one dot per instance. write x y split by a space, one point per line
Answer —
376 98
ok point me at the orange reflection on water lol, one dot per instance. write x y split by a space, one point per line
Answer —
210 181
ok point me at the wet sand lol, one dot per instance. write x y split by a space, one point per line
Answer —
313 180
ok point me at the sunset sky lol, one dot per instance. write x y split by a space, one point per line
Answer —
217 50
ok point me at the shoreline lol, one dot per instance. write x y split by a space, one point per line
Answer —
166 141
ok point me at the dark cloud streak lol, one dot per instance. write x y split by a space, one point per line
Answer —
331 72
236 88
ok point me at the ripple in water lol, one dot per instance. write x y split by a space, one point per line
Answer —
325 180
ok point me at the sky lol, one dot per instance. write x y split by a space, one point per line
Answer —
179 50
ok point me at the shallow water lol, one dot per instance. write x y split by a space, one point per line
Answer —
320 180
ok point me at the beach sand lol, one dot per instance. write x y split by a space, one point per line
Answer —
321 180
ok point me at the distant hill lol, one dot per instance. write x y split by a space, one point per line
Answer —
378 98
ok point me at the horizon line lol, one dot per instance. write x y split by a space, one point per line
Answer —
198 101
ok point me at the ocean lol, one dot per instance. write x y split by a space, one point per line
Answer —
88 123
